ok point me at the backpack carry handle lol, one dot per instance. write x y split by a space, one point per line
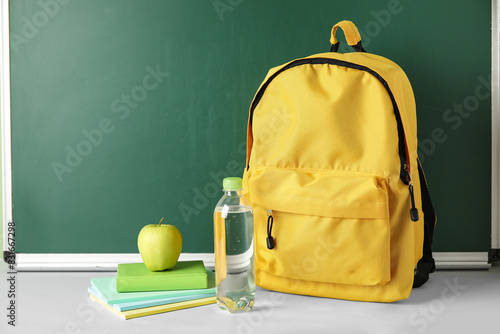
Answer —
351 35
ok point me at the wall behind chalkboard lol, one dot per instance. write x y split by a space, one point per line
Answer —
125 111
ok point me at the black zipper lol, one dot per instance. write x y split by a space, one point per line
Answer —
270 220
405 173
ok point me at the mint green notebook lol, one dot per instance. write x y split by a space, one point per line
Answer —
107 288
136 277
127 306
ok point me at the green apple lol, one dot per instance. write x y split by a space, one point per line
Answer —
160 246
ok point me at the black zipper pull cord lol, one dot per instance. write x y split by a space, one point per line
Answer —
413 211
270 220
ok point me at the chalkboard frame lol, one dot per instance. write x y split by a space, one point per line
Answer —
6 144
495 132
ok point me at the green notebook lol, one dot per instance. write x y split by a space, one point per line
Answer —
184 275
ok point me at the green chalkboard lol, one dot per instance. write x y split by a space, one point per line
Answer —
125 111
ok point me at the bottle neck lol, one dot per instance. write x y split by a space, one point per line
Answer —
233 193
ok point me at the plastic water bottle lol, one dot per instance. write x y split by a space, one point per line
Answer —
234 250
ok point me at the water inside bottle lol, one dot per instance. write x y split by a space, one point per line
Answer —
235 272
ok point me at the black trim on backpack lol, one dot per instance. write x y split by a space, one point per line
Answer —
426 264
404 172
358 47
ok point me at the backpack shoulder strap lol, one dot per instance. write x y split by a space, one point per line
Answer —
426 264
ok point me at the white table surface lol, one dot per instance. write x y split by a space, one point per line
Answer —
58 302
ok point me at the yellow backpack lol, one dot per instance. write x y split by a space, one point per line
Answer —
334 179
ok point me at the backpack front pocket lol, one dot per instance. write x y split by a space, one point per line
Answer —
330 227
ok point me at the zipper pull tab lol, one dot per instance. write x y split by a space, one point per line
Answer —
413 210
270 220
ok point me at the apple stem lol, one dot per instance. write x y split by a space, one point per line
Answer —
161 221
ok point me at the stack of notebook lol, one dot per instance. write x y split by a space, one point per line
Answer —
137 292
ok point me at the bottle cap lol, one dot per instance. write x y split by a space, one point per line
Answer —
232 183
